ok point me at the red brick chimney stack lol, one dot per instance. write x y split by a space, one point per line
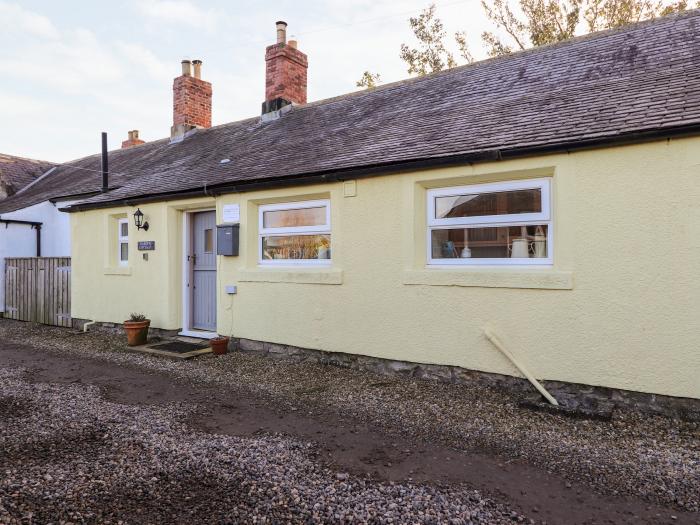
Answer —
133 140
191 100
285 73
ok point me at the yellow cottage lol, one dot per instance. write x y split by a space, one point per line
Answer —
549 200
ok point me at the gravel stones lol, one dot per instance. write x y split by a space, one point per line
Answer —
79 458
649 457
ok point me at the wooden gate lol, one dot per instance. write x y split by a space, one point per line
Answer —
37 289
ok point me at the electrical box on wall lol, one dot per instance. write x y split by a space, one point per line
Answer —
227 239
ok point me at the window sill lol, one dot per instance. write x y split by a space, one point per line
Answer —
117 270
491 278
287 275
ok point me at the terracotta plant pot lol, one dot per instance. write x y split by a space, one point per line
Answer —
219 345
137 332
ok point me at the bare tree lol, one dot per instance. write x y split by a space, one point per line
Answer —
608 14
430 55
369 80
549 21
537 23
546 22
675 7
461 39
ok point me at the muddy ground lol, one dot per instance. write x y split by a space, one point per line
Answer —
345 442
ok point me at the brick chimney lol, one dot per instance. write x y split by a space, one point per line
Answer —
133 140
285 73
191 100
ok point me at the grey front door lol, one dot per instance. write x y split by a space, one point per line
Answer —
203 261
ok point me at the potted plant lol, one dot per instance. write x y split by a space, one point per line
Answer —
219 345
136 329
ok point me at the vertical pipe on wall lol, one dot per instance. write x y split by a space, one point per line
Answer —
37 227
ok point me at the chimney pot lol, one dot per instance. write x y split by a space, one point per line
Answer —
186 68
281 32
197 68
292 44
133 139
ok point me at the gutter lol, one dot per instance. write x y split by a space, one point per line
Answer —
34 225
85 194
411 165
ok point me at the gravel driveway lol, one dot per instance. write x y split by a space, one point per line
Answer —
90 433
69 455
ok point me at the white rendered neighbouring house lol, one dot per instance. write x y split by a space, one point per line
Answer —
31 195
27 229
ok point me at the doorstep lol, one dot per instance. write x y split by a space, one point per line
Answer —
198 334
168 348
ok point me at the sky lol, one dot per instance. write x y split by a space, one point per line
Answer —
72 69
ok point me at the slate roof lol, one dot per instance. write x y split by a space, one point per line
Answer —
18 172
626 84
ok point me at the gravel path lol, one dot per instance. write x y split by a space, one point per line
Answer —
651 458
70 456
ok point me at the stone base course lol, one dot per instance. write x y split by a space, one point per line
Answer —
575 398
578 400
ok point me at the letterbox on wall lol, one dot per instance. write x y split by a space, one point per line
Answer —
227 239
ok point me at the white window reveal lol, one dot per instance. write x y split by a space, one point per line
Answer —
123 242
295 233
482 224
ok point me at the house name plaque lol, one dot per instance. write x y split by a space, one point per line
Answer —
146 245
232 213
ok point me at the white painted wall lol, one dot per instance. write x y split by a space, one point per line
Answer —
19 240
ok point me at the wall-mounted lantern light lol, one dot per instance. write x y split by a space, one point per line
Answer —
138 220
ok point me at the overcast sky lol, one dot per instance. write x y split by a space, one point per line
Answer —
72 69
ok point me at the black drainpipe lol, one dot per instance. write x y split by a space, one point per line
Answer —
35 226
105 164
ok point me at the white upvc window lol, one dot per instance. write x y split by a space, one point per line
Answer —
297 233
487 224
123 242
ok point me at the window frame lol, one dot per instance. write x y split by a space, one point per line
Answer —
543 217
320 229
121 239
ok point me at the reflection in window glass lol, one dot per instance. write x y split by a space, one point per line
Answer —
294 218
123 242
494 203
208 240
495 242
296 247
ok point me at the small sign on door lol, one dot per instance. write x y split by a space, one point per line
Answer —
146 245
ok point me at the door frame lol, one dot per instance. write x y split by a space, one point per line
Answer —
187 276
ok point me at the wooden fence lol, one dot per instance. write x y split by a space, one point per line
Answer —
38 289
